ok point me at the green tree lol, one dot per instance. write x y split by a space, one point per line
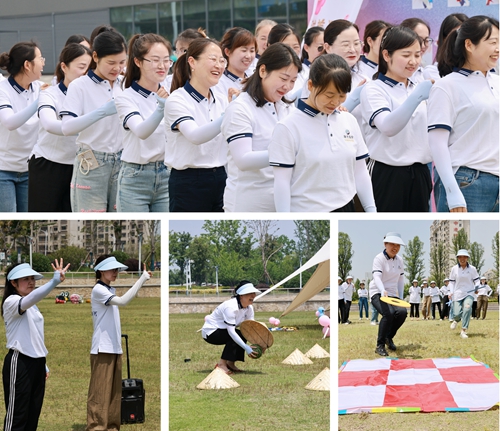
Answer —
476 256
311 236
178 245
345 255
151 247
496 255
230 235
231 268
120 255
459 241
199 253
439 263
40 262
413 258
75 256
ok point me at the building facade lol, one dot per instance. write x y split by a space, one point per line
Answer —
51 22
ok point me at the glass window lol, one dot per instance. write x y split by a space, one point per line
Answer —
194 15
271 9
298 16
170 20
219 17
121 19
145 18
244 14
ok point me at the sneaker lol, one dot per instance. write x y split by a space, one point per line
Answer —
373 323
347 323
453 324
380 350
376 323
463 334
390 344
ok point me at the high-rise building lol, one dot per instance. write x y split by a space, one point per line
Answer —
443 231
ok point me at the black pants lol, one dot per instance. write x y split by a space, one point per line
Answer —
23 388
474 308
446 309
438 304
48 186
401 188
232 352
414 310
347 208
341 311
392 319
347 310
197 190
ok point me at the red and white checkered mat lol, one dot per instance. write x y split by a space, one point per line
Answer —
425 385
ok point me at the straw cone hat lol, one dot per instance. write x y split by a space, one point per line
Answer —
317 352
321 382
297 358
218 379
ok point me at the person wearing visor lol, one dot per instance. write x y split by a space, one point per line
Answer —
24 368
105 388
464 281
220 327
388 280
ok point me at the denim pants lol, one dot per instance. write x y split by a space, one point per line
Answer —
363 303
480 190
14 192
143 188
462 310
95 190
374 313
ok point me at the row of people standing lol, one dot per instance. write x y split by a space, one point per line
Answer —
256 153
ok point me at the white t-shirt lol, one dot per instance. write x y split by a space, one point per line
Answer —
445 290
415 294
392 273
426 291
322 151
466 104
188 104
24 331
463 281
250 191
106 319
86 94
136 100
407 147
56 148
484 290
348 289
362 293
229 313
16 145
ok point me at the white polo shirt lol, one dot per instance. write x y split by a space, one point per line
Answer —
445 290
229 313
431 72
16 145
341 293
86 94
322 151
227 80
56 148
434 293
136 100
419 75
367 67
24 330
484 290
466 104
415 294
2 77
188 104
392 270
462 281
253 65
426 291
407 147
250 191
362 293
348 289
106 319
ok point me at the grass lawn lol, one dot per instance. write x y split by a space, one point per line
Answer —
420 339
271 396
68 334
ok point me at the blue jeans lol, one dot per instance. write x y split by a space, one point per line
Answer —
374 313
480 190
143 188
14 192
462 310
363 303
95 190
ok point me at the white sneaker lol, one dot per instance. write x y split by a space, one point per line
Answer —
453 324
373 323
463 334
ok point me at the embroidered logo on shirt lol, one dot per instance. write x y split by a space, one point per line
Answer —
347 136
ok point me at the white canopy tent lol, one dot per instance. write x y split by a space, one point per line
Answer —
318 281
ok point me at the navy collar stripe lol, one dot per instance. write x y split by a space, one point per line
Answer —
306 109
141 90
63 88
231 76
462 71
391 82
16 86
97 79
368 62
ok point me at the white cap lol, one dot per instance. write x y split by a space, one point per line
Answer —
446 279
247 288
483 278
462 252
349 277
110 263
415 280
433 282
424 282
340 279
362 282
23 270
394 237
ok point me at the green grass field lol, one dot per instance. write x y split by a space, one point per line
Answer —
68 334
271 396
420 339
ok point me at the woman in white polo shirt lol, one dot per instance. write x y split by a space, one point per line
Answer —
105 388
414 300
195 149
143 178
220 327
463 119
18 122
247 128
53 156
24 368
394 125
423 30
388 280
464 283
317 152
374 32
483 295
89 111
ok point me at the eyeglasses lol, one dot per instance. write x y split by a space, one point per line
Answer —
346 46
167 62
427 41
42 59
221 61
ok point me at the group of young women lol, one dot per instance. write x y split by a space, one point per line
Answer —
221 133
24 369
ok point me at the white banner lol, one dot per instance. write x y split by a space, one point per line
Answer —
325 11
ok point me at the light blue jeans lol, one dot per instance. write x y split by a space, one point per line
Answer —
374 313
95 190
480 190
143 188
14 192
462 310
